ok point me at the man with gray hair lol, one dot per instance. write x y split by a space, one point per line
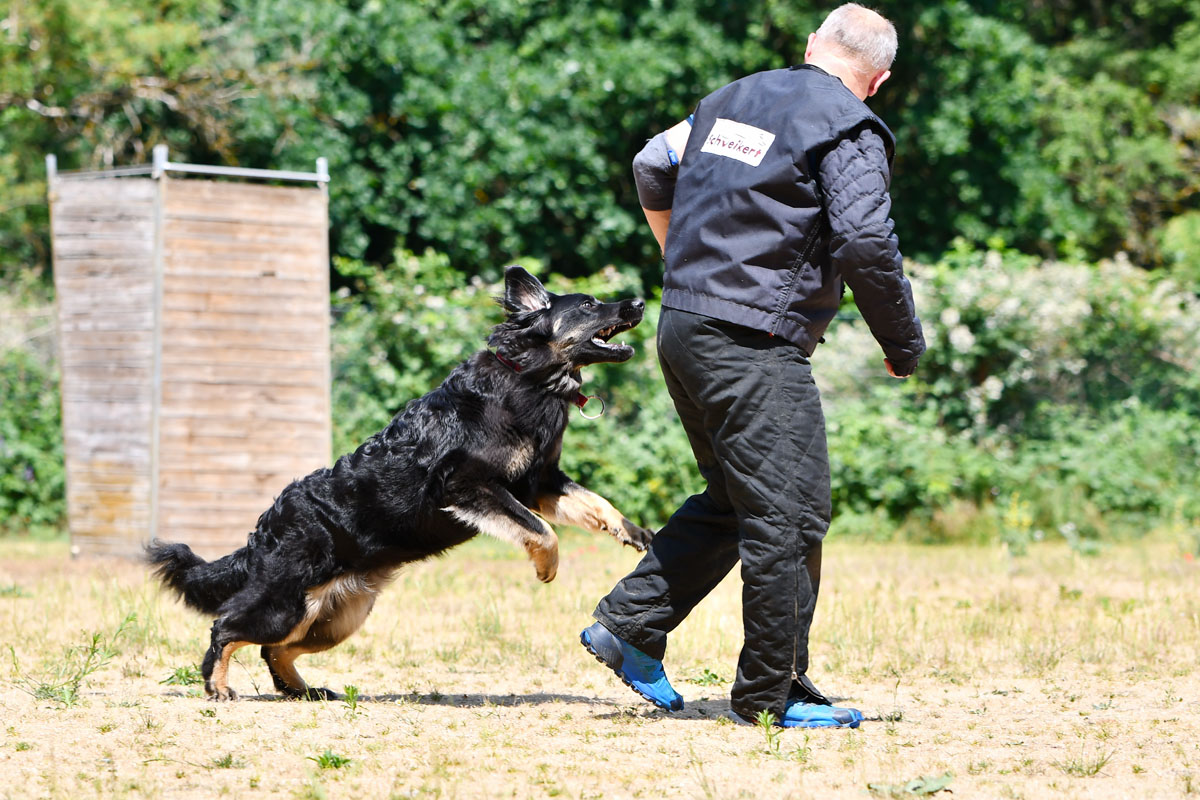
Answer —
764 201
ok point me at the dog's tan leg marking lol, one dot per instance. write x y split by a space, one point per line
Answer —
335 610
586 509
542 546
218 688
282 662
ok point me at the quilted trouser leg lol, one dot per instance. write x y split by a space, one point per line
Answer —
753 416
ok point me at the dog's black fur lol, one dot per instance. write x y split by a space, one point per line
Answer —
479 454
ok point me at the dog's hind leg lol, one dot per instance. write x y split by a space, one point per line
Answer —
497 513
255 616
340 607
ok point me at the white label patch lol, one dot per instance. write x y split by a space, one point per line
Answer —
738 140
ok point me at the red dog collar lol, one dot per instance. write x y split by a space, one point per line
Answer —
580 400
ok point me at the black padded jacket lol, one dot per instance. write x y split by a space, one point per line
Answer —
781 195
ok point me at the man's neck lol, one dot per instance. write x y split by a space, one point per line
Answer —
843 71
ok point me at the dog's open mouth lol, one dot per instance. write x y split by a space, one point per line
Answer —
600 339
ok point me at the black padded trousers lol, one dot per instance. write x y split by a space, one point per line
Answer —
753 416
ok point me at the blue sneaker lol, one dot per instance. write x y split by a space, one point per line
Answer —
639 671
799 714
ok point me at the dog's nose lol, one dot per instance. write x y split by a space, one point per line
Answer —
638 304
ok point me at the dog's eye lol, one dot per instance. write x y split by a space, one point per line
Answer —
589 304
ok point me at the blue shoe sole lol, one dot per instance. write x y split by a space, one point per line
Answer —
852 717
820 724
854 722
614 660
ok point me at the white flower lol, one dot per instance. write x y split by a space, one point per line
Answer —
961 338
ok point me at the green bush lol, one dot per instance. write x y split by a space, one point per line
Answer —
1055 400
32 488
1009 337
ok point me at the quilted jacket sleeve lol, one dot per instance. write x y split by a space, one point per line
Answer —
854 177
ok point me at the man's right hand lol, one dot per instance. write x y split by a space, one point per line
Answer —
892 370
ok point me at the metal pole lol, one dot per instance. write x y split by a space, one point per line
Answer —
51 167
322 170
160 161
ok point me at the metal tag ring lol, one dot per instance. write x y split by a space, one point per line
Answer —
590 398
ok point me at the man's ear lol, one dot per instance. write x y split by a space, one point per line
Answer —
523 292
877 81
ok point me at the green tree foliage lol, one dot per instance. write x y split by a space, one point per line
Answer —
497 129
483 130
98 83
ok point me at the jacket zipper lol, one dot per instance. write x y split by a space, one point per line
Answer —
796 627
813 238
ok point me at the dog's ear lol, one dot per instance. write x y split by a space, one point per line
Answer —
523 292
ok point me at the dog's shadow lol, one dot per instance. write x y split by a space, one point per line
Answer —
446 700
704 709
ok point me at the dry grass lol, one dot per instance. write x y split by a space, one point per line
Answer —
1052 675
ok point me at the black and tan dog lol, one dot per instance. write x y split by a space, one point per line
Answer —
479 454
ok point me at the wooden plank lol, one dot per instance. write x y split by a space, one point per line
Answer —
315 341
314 303
247 499
252 203
280 268
218 428
115 451
89 248
264 319
298 441
126 440
248 454
263 483
104 229
127 213
103 191
236 229
300 243
221 397
81 355
108 371
85 270
128 515
236 460
125 321
257 375
101 409
253 286
131 426
243 356
295 413
223 193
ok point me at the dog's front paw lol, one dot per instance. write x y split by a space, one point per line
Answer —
634 535
545 563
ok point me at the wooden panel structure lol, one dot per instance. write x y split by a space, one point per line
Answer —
194 320
104 235
245 354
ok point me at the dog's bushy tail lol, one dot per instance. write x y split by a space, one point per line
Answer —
203 585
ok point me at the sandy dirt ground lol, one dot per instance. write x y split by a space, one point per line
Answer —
1052 675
